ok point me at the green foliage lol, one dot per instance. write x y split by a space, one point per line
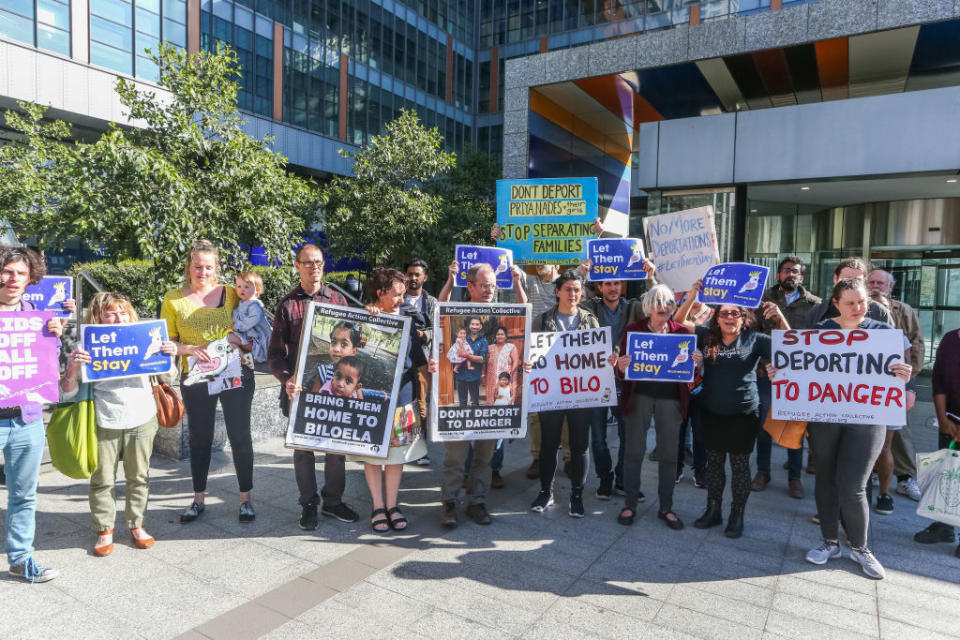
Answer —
277 282
148 193
133 278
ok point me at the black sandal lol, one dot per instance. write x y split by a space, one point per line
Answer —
396 522
676 524
624 519
380 522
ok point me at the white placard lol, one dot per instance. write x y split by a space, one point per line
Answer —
683 245
571 370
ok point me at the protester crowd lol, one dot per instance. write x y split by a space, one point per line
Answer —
720 414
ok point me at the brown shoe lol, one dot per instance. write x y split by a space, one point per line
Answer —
144 541
533 471
496 482
760 481
106 549
448 514
479 514
796 489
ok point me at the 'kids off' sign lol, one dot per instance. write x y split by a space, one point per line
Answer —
124 350
661 357
734 283
29 367
548 220
616 259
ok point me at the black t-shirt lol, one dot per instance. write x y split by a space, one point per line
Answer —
730 380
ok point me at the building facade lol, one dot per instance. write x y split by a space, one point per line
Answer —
823 128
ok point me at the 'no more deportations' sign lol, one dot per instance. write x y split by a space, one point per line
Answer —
349 366
124 350
546 221
28 359
661 356
737 283
682 245
616 259
571 371
483 396
843 376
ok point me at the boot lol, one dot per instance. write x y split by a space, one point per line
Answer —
735 523
711 517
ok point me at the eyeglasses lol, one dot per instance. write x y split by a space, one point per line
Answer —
795 271
311 264
485 287
730 313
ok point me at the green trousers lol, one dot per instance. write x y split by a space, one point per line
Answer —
135 445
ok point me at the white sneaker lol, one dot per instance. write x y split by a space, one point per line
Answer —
868 563
909 488
874 480
824 553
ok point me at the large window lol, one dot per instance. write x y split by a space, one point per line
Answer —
39 23
250 34
122 31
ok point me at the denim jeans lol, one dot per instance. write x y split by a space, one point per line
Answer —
22 446
598 444
765 442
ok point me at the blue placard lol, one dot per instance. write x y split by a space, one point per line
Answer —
546 220
616 259
500 259
663 357
124 350
49 294
736 283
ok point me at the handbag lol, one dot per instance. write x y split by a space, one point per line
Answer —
72 436
786 433
938 476
169 404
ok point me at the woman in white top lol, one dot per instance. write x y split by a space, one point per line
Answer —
126 425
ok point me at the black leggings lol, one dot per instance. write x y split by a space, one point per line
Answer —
551 431
201 409
717 477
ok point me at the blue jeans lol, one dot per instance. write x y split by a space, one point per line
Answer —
765 442
22 445
598 444
496 462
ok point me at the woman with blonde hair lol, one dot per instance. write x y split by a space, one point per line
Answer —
197 314
126 426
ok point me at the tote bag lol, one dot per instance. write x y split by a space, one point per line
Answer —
72 436
938 476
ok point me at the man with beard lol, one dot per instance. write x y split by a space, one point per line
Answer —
426 304
798 306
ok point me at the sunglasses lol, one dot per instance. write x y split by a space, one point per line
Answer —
730 313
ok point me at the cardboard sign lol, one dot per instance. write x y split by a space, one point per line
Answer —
501 260
616 259
349 366
479 389
571 370
682 244
841 376
548 220
49 294
124 350
737 283
663 357
29 367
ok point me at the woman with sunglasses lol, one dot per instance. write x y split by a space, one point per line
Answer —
729 350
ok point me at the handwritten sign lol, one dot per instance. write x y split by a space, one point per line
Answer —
49 294
548 220
571 371
682 244
663 357
734 283
616 259
124 350
501 260
29 367
841 376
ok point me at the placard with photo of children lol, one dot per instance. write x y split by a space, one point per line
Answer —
350 371
478 390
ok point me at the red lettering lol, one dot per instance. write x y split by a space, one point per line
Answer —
860 394
814 391
777 384
857 335
793 391
594 384
843 393
790 337
807 335
565 386
831 337
895 396
828 392
875 396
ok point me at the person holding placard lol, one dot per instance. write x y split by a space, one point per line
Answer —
730 350
666 402
567 315
426 304
197 314
386 288
21 428
126 426
845 453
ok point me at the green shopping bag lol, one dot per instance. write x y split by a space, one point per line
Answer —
72 436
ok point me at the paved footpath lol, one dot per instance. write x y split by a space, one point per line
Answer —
526 576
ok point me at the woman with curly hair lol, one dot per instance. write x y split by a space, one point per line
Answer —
729 350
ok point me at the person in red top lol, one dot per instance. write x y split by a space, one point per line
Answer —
282 358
